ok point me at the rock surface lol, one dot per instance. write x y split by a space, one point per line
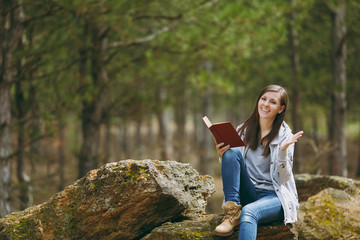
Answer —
330 214
308 185
152 199
331 209
122 200
203 228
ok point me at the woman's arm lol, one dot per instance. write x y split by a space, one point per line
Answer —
284 163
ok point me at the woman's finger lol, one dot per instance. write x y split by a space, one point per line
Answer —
219 145
222 150
298 135
292 138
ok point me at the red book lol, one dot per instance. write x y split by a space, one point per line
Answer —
224 132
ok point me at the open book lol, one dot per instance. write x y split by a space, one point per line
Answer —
224 132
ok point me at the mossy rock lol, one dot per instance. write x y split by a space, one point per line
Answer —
308 185
330 214
203 228
121 200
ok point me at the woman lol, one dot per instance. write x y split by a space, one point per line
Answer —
258 182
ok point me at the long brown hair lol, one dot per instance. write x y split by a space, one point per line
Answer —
252 125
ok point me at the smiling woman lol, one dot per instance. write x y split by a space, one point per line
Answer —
267 117
258 182
269 105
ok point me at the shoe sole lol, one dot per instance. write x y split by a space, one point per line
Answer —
224 234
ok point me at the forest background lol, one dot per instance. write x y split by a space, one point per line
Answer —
83 83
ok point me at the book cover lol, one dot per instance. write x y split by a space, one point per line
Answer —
224 132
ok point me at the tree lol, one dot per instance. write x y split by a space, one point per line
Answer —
92 111
295 93
11 28
22 110
337 134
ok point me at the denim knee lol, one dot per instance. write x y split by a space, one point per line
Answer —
249 215
231 155
248 224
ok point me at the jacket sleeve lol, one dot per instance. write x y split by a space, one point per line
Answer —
283 164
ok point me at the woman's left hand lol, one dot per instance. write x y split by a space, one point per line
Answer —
292 138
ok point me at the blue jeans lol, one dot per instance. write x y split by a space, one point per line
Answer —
259 206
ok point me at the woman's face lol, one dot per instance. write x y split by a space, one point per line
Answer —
269 105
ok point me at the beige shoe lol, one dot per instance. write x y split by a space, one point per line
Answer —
230 220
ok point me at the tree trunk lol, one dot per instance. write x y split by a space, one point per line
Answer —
35 124
162 123
149 134
11 28
358 167
337 135
207 146
138 139
124 139
93 109
23 178
295 94
107 141
198 130
91 116
5 149
180 119
61 152
36 130
24 182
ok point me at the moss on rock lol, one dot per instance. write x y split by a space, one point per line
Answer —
330 214
122 200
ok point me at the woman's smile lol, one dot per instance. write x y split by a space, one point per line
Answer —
269 105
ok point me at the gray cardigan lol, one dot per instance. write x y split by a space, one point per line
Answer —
281 174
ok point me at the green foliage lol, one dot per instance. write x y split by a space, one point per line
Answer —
246 43
230 48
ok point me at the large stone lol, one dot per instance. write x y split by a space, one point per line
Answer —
330 214
122 200
329 208
203 229
166 200
308 185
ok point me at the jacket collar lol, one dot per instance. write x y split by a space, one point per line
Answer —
284 128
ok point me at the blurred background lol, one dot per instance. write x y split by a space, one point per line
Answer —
83 83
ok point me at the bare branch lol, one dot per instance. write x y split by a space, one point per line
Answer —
29 143
145 39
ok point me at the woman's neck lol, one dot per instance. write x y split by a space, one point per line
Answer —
265 126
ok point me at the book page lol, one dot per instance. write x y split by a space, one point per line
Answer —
207 121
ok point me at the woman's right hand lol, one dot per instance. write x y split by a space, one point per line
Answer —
220 148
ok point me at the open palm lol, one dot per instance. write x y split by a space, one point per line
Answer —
292 138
